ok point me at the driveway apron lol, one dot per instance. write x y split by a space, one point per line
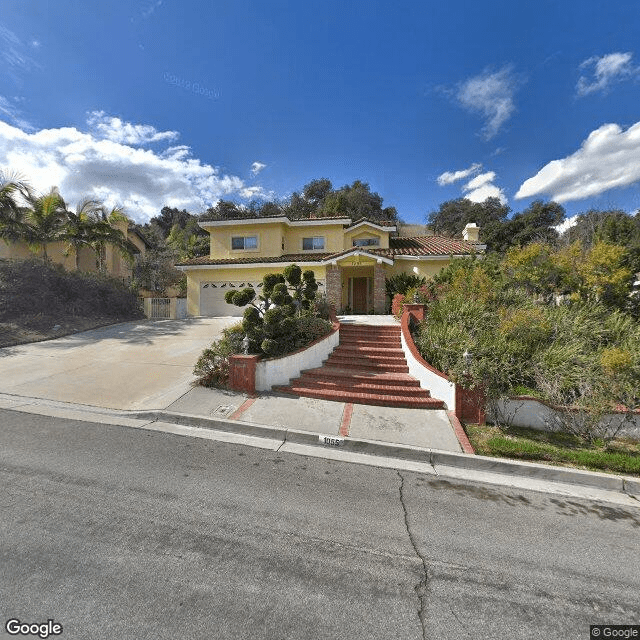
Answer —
134 365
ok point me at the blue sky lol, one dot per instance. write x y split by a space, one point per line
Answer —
154 102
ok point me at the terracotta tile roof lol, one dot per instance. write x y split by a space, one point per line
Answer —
419 246
380 223
430 246
291 257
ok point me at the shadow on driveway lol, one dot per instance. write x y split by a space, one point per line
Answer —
138 332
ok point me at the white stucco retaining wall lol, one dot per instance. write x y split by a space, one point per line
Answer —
533 414
278 371
439 387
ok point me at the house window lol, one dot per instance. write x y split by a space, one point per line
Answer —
310 244
244 242
366 242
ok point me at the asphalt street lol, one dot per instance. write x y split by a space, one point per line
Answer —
125 533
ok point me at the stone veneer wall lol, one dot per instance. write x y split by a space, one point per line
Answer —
334 287
379 292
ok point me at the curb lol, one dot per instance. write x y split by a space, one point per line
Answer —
625 485
531 470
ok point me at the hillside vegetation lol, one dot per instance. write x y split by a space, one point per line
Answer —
40 300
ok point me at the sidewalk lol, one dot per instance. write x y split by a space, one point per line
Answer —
428 429
303 426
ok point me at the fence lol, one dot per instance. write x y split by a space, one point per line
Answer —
157 308
161 308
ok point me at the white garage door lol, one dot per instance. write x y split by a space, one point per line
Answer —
212 297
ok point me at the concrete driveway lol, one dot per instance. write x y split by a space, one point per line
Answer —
134 365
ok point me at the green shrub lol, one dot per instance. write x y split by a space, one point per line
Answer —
271 320
401 283
212 368
309 329
36 287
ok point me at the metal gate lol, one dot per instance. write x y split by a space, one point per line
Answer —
160 308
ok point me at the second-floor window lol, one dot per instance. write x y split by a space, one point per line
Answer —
244 242
309 244
366 242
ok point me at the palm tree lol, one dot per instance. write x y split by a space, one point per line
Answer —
80 227
104 232
45 220
12 189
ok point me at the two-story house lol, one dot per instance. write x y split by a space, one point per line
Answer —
350 259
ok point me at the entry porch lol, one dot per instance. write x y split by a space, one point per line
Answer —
356 284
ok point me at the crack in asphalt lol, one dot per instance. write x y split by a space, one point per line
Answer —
422 587
455 615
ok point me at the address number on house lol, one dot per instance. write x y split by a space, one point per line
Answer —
331 441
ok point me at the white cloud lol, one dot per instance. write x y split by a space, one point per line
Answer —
614 67
141 180
481 187
491 95
608 158
566 224
449 177
10 110
150 8
257 167
116 130
13 51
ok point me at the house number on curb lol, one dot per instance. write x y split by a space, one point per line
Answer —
331 441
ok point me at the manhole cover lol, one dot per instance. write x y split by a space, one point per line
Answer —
222 410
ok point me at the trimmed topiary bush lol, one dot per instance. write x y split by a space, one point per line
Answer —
271 320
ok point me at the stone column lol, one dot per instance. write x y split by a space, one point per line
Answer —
334 286
379 293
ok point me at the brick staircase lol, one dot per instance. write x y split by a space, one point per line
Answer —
367 367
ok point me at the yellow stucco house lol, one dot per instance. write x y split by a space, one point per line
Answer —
350 259
115 263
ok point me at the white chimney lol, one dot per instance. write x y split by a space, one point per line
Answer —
471 232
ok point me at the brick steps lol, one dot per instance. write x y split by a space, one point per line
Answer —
368 364
364 375
369 349
363 386
408 402
368 367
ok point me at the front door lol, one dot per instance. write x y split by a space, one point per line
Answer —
360 295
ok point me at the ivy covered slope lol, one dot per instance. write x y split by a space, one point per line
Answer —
560 324
284 316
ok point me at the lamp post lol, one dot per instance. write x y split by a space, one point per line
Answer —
467 356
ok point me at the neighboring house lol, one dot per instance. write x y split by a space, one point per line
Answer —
350 259
115 264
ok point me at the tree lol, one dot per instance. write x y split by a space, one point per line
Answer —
453 215
104 232
223 210
533 268
79 227
155 271
357 201
269 321
535 223
317 191
187 242
12 216
45 220
169 217
613 226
